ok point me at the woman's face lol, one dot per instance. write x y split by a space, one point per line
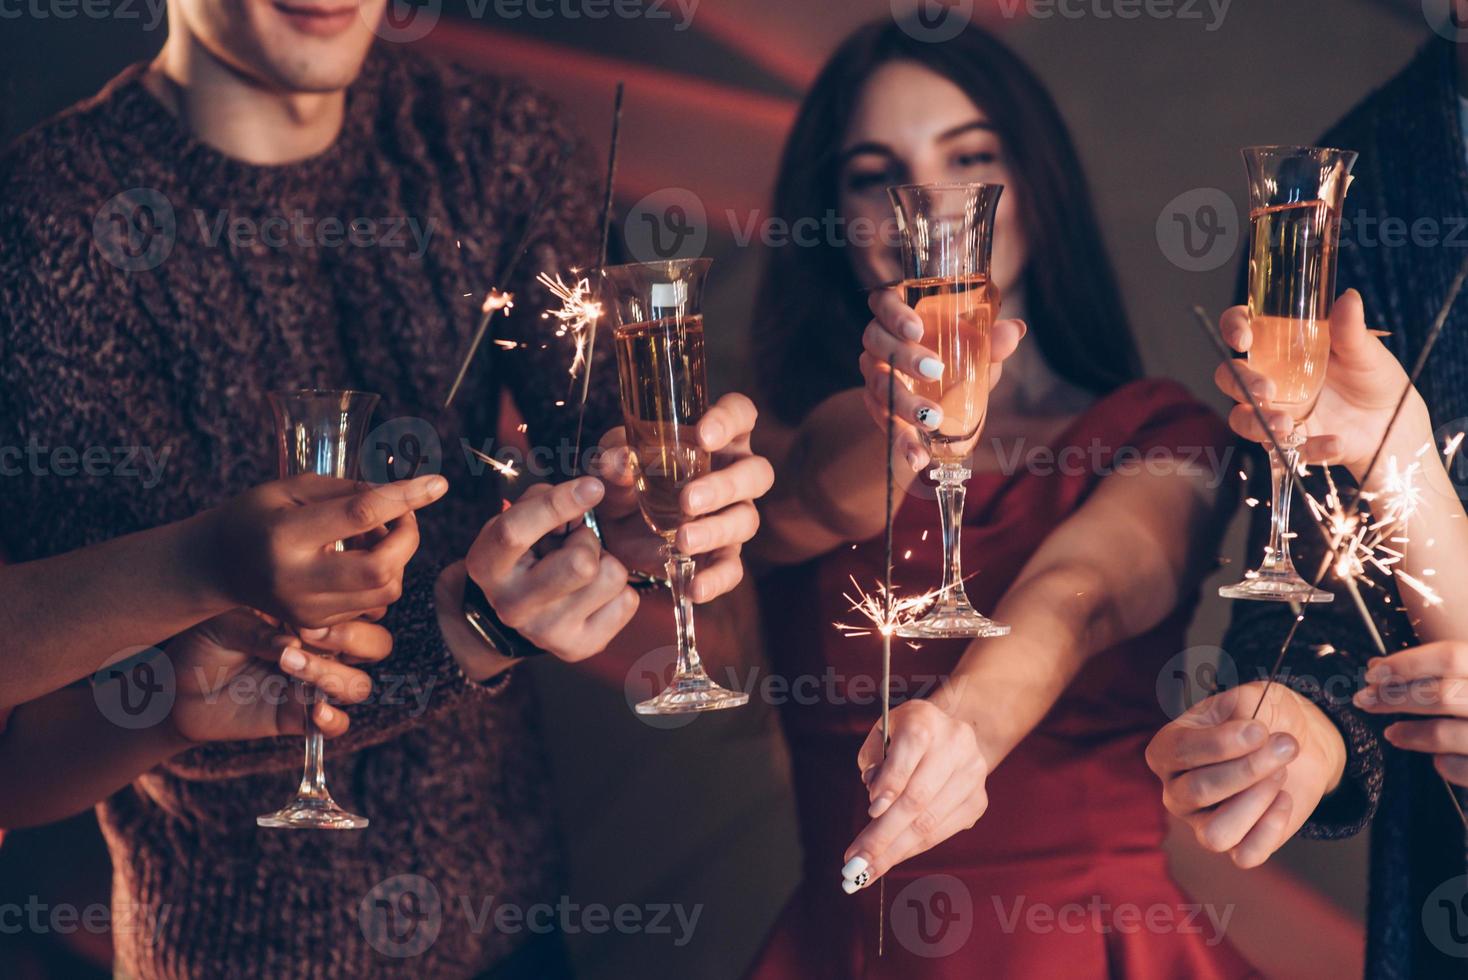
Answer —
913 126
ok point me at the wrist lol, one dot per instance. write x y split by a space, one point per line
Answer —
476 658
1329 742
194 561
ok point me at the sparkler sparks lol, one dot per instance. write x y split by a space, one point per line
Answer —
505 469
577 314
883 610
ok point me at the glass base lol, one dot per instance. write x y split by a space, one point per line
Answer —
689 693
1275 586
307 813
951 620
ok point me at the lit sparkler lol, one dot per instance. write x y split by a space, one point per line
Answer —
882 609
505 469
577 315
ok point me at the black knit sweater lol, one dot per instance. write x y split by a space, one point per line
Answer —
109 339
1412 169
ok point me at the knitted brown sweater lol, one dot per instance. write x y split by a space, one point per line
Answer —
158 323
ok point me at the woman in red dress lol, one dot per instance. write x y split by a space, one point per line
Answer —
1013 818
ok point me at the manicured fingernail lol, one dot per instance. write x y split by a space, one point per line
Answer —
698 498
854 867
588 492
1366 697
912 330
712 432
1253 734
316 633
1377 673
327 713
851 886
1390 733
1283 747
879 805
293 660
930 367
929 418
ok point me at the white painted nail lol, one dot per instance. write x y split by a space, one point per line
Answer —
854 867
929 418
930 367
853 885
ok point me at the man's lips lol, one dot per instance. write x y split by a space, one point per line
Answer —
316 18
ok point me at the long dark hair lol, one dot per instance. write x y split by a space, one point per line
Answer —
811 306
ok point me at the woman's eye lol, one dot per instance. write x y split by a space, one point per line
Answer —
872 180
982 158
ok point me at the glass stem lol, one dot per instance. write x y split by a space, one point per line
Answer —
313 775
951 478
1282 473
680 577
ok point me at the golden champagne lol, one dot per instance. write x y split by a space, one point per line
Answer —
1291 273
664 395
958 317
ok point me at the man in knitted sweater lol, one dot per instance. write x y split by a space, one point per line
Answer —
274 202
1347 738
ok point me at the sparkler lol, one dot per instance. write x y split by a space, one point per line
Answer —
505 469
577 315
495 300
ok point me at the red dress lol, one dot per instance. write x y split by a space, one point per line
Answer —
1065 874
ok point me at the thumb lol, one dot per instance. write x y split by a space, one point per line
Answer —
1349 338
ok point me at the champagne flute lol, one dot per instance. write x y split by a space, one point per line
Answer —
947 235
318 431
1296 194
658 333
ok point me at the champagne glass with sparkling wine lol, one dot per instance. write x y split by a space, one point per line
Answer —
947 235
658 333
318 431
1296 194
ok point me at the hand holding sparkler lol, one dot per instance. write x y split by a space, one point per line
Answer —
719 505
1431 679
1246 785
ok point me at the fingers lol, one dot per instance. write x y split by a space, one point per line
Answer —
730 527
338 681
1453 768
1439 736
1269 833
913 360
1243 421
727 424
908 445
508 538
375 568
1427 696
1234 325
331 722
955 807
1349 337
895 316
1206 786
355 640
1442 658
566 570
1260 387
746 479
906 406
359 512
717 575
1186 744
1226 827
